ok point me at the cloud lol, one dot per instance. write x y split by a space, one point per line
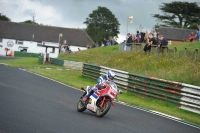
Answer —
72 13
22 10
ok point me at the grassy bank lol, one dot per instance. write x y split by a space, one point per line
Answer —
77 80
180 69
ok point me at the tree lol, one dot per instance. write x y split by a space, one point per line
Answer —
29 22
101 24
179 14
4 18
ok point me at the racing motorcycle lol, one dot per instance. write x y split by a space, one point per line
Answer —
101 100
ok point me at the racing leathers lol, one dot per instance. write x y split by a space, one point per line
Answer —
97 86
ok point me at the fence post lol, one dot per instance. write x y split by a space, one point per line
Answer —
167 53
175 51
195 54
185 52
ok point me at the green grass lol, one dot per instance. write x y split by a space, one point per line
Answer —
159 106
27 62
72 78
180 69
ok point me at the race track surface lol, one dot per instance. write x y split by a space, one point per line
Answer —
33 104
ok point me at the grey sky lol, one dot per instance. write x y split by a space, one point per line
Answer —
72 13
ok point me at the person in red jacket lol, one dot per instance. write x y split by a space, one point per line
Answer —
191 36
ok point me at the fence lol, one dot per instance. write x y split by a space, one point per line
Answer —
185 96
65 63
24 54
56 61
165 50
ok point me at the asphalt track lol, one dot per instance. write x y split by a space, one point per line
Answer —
33 104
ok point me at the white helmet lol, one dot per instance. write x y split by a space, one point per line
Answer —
110 75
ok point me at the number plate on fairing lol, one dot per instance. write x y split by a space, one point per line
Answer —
90 101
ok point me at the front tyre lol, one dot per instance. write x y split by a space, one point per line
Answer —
80 106
102 111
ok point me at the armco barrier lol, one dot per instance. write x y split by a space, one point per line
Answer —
57 61
41 59
23 54
185 96
91 71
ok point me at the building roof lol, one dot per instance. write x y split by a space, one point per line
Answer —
39 33
177 34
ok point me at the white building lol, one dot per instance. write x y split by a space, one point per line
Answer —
40 39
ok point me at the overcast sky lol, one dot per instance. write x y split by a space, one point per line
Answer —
72 13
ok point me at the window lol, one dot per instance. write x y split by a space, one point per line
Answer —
53 50
39 43
19 42
1 40
23 50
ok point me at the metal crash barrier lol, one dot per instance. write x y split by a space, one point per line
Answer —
185 96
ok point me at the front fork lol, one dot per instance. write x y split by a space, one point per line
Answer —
105 99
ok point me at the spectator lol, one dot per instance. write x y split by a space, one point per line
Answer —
128 42
154 34
134 39
104 41
162 42
59 48
112 41
197 36
142 37
138 37
67 48
102 44
146 36
149 42
191 36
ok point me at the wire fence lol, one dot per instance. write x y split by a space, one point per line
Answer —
164 51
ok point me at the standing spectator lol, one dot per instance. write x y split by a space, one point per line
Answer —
102 44
154 34
128 42
59 48
163 42
138 37
67 48
146 36
134 39
198 35
149 42
104 41
142 37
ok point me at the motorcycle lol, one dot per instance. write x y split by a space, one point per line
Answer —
101 100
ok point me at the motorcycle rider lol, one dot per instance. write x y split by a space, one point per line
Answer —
107 77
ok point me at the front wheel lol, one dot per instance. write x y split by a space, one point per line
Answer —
80 106
102 111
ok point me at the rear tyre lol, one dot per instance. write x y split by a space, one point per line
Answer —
100 112
80 106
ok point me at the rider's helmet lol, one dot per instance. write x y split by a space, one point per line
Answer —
110 75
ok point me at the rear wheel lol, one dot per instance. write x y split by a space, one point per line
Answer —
102 111
80 106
